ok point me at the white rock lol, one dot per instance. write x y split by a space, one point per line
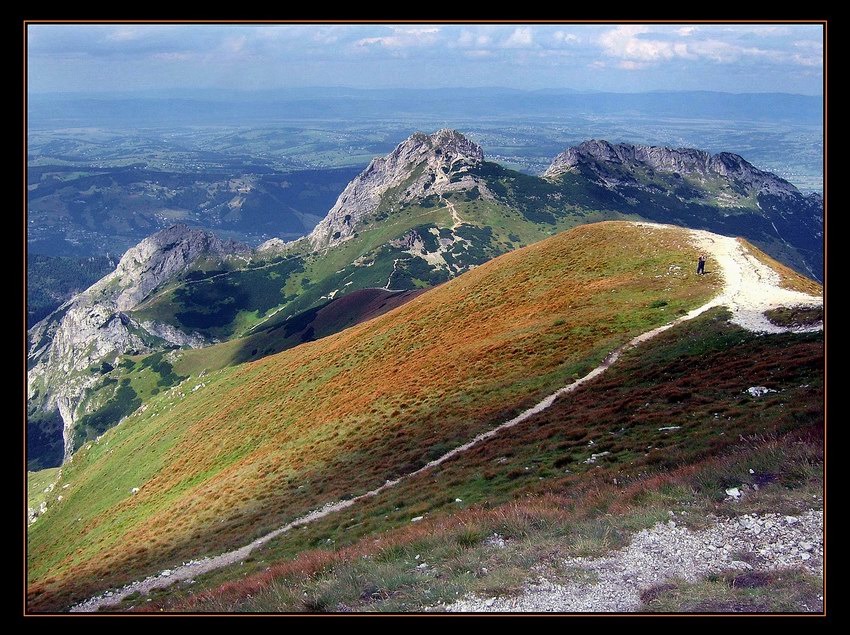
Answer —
759 391
416 519
734 492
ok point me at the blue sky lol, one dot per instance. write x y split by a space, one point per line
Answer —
610 57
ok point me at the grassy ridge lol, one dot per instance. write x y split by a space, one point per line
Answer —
535 489
262 443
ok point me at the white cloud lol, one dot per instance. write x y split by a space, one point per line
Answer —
760 30
327 35
643 44
807 60
470 39
402 37
478 53
522 37
563 36
625 42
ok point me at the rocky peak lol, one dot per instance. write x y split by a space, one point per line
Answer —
444 156
159 257
93 325
596 154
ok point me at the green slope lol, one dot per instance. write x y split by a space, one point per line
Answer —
226 457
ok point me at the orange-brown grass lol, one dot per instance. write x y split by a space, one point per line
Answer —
267 441
695 376
789 279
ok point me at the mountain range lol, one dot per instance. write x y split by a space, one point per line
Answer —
441 296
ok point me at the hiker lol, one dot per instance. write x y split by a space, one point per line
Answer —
701 265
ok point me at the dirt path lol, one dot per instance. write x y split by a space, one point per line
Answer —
749 288
392 273
667 552
458 221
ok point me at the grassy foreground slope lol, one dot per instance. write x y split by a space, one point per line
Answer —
666 438
222 459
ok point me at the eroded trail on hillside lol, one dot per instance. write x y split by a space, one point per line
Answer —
749 288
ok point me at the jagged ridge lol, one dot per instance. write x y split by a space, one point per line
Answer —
685 161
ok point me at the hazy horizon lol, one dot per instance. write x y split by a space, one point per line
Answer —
621 58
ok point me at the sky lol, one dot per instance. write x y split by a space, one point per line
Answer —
607 57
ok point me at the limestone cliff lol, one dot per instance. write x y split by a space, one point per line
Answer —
93 327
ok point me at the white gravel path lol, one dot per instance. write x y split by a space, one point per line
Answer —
749 289
665 552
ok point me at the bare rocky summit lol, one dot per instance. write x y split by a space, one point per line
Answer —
420 166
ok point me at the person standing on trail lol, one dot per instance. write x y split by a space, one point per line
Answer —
701 265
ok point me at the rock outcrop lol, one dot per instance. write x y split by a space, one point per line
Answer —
597 155
420 166
94 327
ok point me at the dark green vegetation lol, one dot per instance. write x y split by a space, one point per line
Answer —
734 592
45 444
795 316
275 335
210 302
51 280
535 488
123 402
250 447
